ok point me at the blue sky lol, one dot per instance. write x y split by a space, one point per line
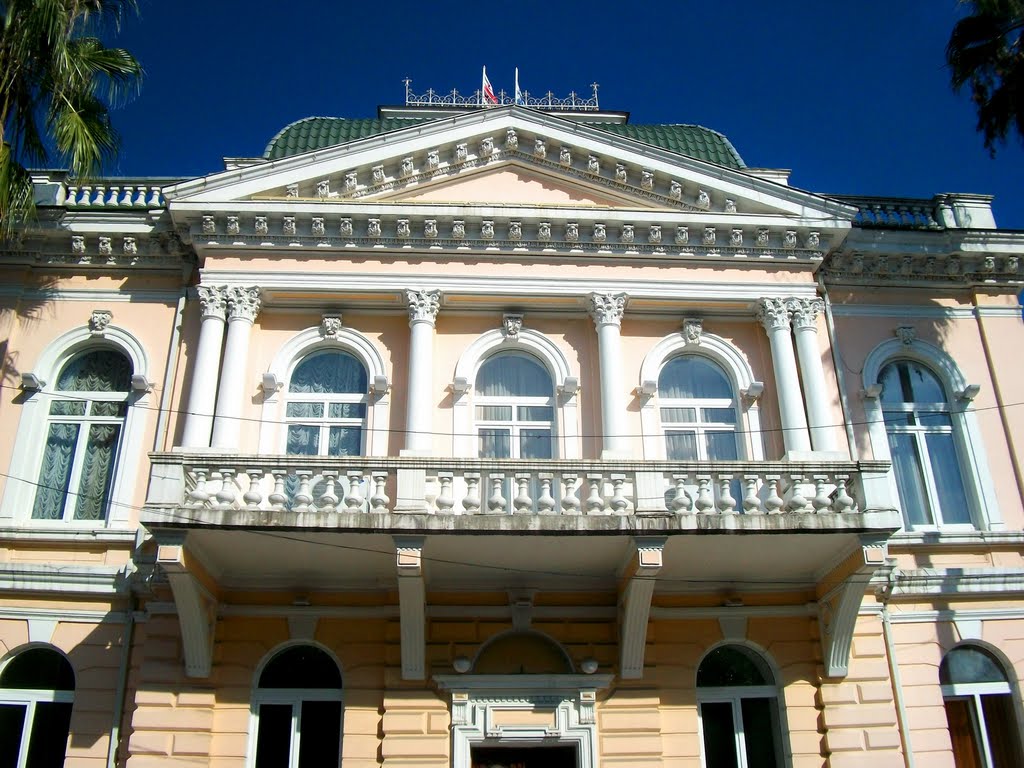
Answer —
853 97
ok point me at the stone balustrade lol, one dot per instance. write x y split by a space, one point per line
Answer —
114 193
193 483
897 213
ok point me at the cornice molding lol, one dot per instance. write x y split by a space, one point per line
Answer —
913 269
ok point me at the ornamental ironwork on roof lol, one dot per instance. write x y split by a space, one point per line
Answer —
320 132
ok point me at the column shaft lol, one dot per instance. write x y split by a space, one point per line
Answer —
243 305
775 318
607 311
423 308
804 314
205 371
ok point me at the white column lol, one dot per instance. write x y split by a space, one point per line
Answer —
607 309
206 369
243 306
804 316
419 419
774 316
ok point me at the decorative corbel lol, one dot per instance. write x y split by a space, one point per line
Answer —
140 384
635 604
379 385
511 325
906 334
196 608
460 386
693 328
99 320
872 392
569 387
753 392
270 384
412 605
648 388
969 392
330 325
31 383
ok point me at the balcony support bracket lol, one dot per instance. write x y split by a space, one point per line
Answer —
635 603
841 592
196 606
412 605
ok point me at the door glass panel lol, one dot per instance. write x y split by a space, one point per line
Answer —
495 443
680 446
966 750
1003 737
12 720
49 738
347 410
535 444
68 408
494 412
906 462
721 445
759 733
678 415
949 484
719 415
55 473
536 413
719 735
97 472
305 410
274 735
345 441
303 440
320 734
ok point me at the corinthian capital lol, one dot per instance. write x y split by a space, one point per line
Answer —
213 299
423 305
607 308
804 312
773 314
243 303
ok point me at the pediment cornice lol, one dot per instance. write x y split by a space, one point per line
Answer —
377 167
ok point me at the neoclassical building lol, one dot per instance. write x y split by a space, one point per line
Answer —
522 436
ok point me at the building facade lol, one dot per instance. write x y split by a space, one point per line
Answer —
515 436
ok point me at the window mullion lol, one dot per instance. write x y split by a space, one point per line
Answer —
296 735
75 476
979 720
737 723
26 734
929 476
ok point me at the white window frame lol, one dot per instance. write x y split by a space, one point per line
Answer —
29 698
293 697
30 439
700 428
325 422
515 425
273 425
970 450
746 391
566 429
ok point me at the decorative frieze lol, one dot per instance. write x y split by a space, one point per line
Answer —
710 236
647 179
628 233
430 228
736 238
703 200
675 190
130 246
288 225
593 165
682 235
323 189
565 156
861 267
511 140
654 234
515 230
403 230
540 148
600 233
572 232
544 230
318 229
487 230
459 230
373 228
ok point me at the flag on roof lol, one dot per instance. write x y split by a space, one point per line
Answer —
487 92
519 94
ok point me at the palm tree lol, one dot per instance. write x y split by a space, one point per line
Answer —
57 80
986 50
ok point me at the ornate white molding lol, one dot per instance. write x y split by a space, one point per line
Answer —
635 602
99 320
804 312
243 303
607 308
213 300
412 603
511 326
423 305
773 314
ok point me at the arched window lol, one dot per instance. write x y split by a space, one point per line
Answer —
37 689
919 425
326 405
297 706
738 708
698 410
515 408
86 417
979 710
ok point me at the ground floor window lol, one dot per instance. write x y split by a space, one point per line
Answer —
560 756
737 702
979 709
37 690
297 708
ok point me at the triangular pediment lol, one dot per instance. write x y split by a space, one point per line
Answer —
514 184
507 156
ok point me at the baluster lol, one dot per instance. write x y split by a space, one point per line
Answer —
705 499
278 498
85 196
682 504
100 199
328 500
253 494
619 502
797 502
379 500
140 197
726 503
496 503
354 497
154 197
751 503
303 498
113 195
773 502
226 494
595 502
844 502
546 502
471 504
199 494
445 500
522 503
570 504
71 197
126 196
821 501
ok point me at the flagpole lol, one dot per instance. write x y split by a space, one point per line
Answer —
483 81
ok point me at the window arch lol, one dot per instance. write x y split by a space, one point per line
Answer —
303 349
710 357
297 710
979 707
738 709
698 410
37 692
80 436
326 405
917 409
514 408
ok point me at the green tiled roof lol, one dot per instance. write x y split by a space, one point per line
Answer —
320 132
